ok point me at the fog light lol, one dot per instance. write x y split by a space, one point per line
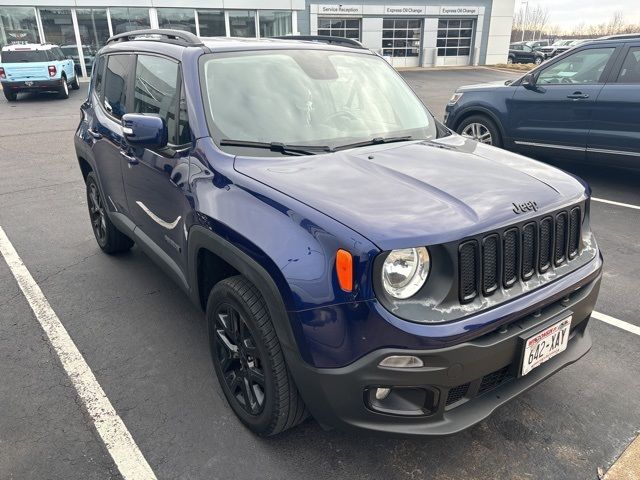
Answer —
402 361
382 393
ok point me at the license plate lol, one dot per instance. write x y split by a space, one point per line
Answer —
545 345
28 84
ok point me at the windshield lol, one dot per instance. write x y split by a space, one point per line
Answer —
16 56
309 97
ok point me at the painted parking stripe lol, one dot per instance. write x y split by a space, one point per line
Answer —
119 442
619 204
629 327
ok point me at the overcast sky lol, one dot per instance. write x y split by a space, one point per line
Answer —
568 13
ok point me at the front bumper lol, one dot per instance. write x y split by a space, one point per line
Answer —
459 385
32 85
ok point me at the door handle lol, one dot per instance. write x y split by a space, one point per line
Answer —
130 159
94 134
578 96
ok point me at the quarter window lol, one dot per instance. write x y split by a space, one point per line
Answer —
630 71
156 92
99 76
584 67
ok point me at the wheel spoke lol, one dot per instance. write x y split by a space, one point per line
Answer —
256 376
233 349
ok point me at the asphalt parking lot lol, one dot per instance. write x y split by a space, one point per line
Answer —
146 345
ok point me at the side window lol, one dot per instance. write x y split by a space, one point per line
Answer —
99 76
583 67
115 84
184 132
156 91
630 71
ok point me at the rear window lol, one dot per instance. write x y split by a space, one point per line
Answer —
16 56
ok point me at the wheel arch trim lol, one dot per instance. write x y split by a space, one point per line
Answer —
477 110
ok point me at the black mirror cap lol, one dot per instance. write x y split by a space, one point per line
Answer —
528 81
145 130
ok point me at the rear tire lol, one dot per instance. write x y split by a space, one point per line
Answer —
75 84
538 60
248 359
510 60
63 92
109 238
477 126
10 96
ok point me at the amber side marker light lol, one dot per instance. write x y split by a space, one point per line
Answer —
344 268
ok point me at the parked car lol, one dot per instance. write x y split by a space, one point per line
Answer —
583 105
354 258
537 44
36 68
88 52
523 53
559 47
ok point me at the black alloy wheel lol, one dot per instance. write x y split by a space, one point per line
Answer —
97 214
239 359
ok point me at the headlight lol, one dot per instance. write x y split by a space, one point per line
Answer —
455 97
405 271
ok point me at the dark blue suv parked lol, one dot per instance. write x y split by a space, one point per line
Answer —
355 259
583 105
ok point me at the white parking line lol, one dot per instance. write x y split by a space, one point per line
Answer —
119 442
619 204
629 327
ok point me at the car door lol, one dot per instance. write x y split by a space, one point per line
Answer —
614 137
554 113
156 181
527 54
110 100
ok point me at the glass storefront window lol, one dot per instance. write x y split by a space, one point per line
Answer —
211 23
339 27
129 19
242 23
94 32
58 29
274 23
177 19
18 25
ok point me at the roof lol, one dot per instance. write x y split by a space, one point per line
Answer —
28 46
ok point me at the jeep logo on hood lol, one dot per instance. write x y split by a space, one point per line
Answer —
519 208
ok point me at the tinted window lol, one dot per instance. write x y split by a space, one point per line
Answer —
17 56
630 71
156 92
584 67
99 76
115 84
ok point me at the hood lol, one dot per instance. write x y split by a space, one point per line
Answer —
418 193
483 86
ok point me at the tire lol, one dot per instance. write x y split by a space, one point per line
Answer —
10 96
238 318
63 92
109 238
75 84
510 60
466 128
537 60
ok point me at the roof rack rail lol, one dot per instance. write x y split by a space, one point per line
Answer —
344 42
629 36
177 37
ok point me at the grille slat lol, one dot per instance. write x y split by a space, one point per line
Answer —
495 259
528 250
510 248
468 271
560 250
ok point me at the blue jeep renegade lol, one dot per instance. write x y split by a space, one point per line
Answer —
357 261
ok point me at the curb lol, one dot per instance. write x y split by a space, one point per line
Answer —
627 466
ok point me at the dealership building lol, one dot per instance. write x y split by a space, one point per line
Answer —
408 34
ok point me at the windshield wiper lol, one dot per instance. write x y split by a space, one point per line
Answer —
373 141
278 147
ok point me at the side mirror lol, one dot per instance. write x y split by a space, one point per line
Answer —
528 81
147 131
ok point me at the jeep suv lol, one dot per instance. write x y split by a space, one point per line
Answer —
36 68
356 260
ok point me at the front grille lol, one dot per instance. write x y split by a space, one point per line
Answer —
517 253
494 380
457 393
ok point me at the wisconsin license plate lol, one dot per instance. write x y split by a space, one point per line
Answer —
545 345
